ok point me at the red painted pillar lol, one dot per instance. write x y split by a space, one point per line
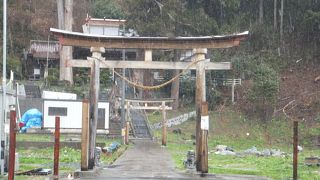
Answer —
12 144
295 150
56 149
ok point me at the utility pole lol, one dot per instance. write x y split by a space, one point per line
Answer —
123 89
4 83
123 92
47 63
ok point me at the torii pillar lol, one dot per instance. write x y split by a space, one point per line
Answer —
201 132
93 100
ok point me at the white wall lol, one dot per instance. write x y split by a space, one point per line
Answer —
73 119
58 95
101 30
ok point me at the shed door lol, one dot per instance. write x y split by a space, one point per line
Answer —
101 118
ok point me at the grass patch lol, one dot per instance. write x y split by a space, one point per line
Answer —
69 159
50 137
35 137
230 128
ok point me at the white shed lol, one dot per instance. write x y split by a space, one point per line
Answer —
70 113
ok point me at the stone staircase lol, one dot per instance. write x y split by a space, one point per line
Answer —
139 124
32 91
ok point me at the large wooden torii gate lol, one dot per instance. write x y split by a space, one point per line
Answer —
199 46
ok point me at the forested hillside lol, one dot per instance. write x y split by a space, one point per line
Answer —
279 62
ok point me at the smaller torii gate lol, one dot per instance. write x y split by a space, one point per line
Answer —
162 105
98 43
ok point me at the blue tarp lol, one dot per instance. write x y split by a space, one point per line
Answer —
31 118
113 147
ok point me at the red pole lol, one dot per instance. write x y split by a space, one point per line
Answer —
12 145
295 150
56 149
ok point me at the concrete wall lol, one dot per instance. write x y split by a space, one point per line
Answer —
30 103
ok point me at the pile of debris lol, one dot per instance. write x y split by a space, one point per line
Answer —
190 162
226 150
312 161
113 147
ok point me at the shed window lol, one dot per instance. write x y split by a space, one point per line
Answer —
58 111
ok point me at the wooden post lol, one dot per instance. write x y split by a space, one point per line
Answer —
85 135
164 124
94 97
127 133
232 89
56 149
295 150
200 97
126 140
204 137
12 144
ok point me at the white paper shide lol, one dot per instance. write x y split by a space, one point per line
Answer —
204 122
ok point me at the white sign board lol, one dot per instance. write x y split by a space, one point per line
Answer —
204 122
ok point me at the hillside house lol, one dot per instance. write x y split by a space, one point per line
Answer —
36 57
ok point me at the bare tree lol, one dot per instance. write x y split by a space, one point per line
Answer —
281 21
260 11
275 14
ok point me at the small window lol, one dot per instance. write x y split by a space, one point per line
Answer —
58 111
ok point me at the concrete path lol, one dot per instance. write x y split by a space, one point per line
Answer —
147 160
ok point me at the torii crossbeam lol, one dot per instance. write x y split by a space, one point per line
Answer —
67 38
199 45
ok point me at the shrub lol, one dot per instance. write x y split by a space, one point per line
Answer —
264 91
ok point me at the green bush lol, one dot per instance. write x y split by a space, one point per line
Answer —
265 85
105 78
264 91
53 76
214 98
81 76
13 64
107 9
187 90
